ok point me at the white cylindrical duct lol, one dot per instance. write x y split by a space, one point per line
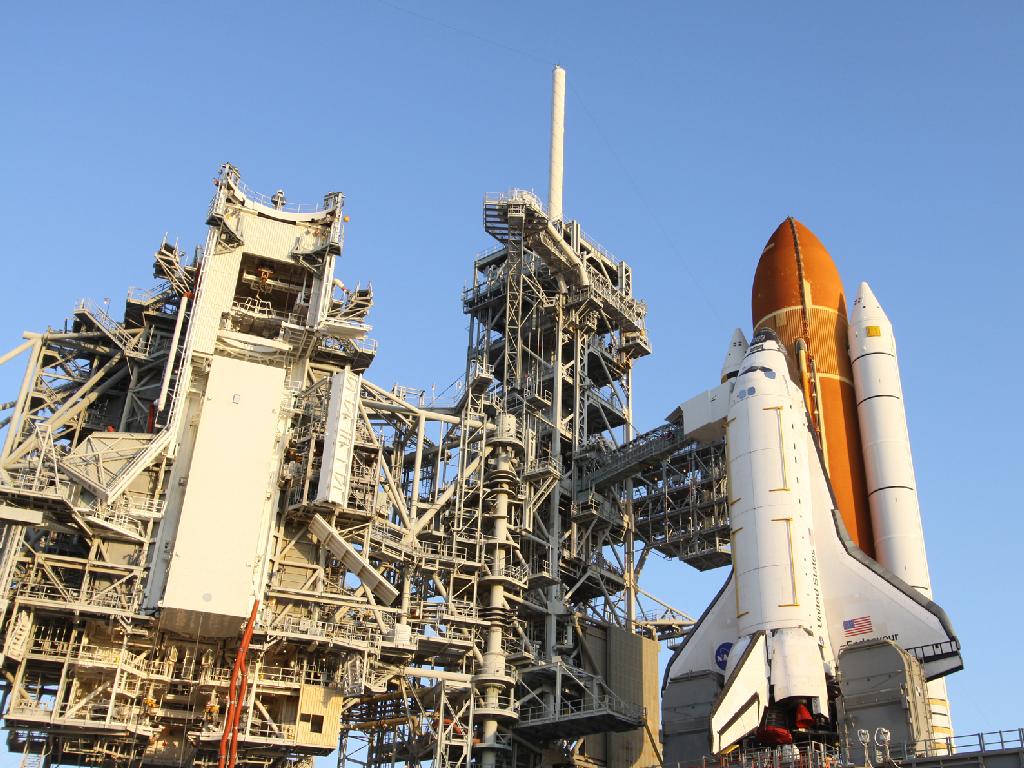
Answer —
557 144
892 488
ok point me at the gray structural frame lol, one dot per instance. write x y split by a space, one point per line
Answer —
456 602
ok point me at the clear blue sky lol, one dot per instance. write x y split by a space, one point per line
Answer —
893 130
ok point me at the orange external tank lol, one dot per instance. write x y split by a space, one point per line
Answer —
798 294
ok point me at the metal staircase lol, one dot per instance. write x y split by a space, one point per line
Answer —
130 343
167 265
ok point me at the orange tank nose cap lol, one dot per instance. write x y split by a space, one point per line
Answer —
793 249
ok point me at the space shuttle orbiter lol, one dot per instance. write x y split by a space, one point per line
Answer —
827 542
800 588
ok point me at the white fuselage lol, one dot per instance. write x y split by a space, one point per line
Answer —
774 560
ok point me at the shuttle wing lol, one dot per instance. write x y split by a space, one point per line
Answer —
863 600
707 646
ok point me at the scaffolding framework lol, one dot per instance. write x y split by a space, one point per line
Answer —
429 581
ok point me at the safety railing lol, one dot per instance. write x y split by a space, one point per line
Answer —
279 675
988 741
579 706
131 343
517 573
31 708
495 703
596 246
148 295
526 196
332 344
812 755
264 729
124 599
354 632
610 400
117 519
331 200
38 479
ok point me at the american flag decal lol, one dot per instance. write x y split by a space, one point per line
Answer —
859 626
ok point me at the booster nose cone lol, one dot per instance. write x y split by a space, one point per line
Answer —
870 330
734 355
865 303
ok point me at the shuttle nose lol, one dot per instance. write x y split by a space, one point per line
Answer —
765 335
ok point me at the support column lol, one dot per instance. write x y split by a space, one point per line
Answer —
493 684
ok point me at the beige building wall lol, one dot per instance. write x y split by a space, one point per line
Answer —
629 663
218 552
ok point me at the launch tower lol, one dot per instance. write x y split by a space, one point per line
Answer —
224 545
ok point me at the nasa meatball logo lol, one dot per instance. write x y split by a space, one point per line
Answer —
722 655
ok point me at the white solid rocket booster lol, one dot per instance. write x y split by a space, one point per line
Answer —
892 489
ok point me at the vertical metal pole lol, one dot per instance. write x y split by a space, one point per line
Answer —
414 492
492 682
554 513
172 354
557 144
629 559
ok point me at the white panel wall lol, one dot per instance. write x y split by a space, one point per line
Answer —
273 239
222 534
339 438
216 293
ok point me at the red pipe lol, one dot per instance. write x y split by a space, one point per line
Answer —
230 714
243 683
